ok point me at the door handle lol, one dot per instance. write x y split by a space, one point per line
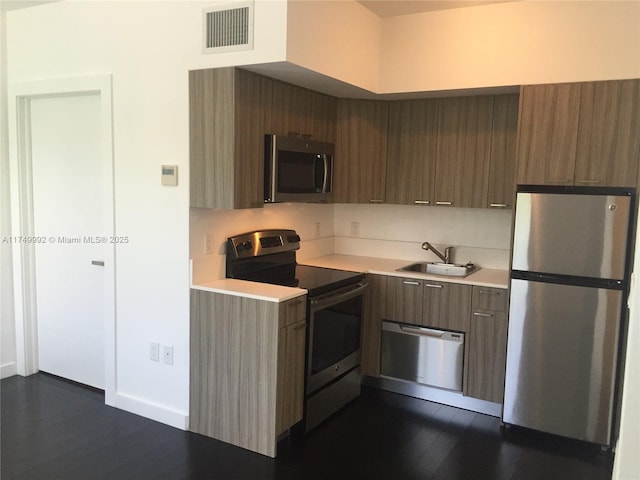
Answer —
98 263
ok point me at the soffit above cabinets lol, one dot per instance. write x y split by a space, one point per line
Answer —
303 77
394 8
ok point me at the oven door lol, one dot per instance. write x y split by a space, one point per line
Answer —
334 335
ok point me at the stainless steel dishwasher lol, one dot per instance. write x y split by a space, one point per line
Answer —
423 355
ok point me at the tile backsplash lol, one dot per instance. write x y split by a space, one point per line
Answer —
481 236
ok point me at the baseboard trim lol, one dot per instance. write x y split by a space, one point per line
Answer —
152 411
8 370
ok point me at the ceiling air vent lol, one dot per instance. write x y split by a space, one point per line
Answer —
227 29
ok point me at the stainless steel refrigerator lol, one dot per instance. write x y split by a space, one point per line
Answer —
568 294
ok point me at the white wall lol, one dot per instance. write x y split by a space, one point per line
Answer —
7 328
511 44
495 45
340 39
148 47
627 460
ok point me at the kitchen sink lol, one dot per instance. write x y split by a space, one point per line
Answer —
437 268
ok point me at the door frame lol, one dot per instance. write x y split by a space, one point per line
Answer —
22 214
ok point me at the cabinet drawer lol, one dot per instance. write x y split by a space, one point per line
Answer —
486 298
292 311
403 300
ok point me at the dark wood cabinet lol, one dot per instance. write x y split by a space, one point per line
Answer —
414 302
582 134
296 111
220 101
547 133
446 305
402 300
464 142
371 328
502 161
360 163
230 111
411 151
290 381
247 360
608 134
487 339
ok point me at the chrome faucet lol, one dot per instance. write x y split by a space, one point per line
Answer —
446 258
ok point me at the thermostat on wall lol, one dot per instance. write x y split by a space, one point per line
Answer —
170 175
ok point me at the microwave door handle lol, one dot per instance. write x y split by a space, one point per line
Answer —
325 158
313 174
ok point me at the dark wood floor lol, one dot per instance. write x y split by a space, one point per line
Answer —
53 429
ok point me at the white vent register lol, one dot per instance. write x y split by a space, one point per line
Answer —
228 28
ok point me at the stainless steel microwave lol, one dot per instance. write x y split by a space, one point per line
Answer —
297 169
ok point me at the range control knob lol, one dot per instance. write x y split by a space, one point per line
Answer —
244 246
293 238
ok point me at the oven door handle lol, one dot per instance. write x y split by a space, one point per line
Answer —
329 300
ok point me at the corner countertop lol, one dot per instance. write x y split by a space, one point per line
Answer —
484 277
255 290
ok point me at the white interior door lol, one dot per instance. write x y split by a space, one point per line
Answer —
68 214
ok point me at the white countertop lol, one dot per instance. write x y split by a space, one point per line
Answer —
258 291
484 277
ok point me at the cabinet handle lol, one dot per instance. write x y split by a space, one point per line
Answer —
300 327
406 282
560 180
97 263
432 285
589 181
422 202
488 292
444 203
498 205
375 200
480 314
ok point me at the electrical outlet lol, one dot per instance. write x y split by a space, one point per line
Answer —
209 244
355 229
154 351
168 354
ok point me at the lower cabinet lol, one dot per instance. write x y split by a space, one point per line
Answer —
427 303
291 350
247 368
480 312
485 365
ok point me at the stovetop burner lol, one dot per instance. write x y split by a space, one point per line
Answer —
268 256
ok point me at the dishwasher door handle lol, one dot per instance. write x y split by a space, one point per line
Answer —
424 332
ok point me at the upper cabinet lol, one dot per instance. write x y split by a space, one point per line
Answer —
452 151
502 162
547 133
411 151
608 134
581 134
230 111
462 152
226 149
464 142
360 164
